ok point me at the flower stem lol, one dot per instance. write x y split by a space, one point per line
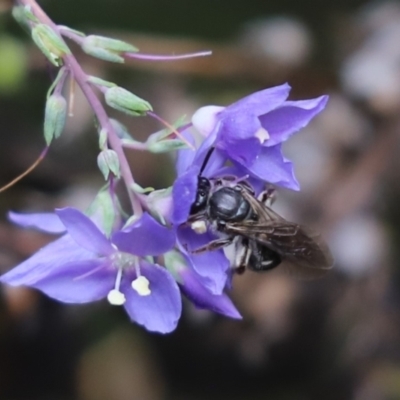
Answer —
81 78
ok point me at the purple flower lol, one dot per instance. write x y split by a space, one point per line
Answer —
247 137
191 286
212 268
84 265
250 132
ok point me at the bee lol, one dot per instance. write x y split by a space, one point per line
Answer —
258 239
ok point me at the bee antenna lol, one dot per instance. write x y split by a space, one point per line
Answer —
206 159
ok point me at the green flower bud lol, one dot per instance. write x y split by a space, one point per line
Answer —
51 44
106 48
175 264
138 189
103 136
120 129
166 146
108 162
54 117
67 28
23 15
125 101
100 82
105 210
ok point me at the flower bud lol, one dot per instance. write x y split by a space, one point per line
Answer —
103 137
23 15
108 162
54 117
125 101
166 146
159 203
120 129
106 48
100 82
51 44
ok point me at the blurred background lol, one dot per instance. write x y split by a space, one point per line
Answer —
337 338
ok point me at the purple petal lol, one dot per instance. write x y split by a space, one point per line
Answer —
211 266
238 126
78 282
184 195
146 237
243 151
289 118
202 298
261 102
186 156
46 261
84 231
272 167
204 148
45 222
160 311
242 173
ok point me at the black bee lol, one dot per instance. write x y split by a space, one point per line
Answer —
259 238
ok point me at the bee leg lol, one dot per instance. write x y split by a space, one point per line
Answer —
213 245
267 197
243 263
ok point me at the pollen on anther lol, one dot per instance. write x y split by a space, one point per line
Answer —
141 286
116 298
199 227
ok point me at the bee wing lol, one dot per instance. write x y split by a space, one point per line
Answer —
304 252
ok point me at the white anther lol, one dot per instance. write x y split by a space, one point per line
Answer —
116 298
262 135
199 227
141 285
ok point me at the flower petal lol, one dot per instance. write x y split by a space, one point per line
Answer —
272 167
289 118
184 195
212 266
45 222
78 282
259 103
146 237
46 261
84 231
202 298
185 156
159 311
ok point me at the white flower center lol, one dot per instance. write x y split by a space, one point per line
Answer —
141 285
262 135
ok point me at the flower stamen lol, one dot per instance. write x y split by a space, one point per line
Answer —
141 285
115 296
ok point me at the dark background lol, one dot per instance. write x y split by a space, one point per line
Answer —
337 338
